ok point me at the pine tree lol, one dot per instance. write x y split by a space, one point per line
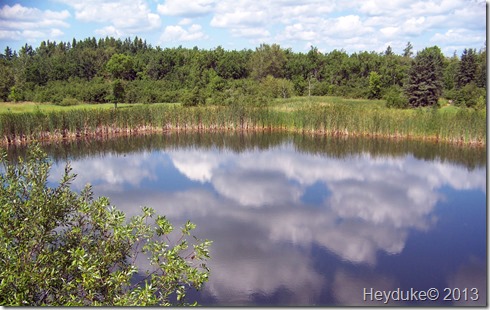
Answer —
467 67
407 51
424 85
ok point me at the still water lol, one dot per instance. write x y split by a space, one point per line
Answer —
298 220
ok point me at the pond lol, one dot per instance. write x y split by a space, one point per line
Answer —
307 220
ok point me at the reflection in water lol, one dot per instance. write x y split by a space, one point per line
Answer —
295 225
471 275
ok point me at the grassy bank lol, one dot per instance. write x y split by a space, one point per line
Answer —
331 116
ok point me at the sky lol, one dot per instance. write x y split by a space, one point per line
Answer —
354 26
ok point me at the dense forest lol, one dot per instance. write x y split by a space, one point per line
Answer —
130 70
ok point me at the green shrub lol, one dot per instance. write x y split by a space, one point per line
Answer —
61 248
395 98
68 102
276 88
469 95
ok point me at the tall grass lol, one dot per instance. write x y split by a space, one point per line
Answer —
464 126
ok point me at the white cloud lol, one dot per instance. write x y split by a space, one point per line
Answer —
110 31
125 17
390 31
185 21
178 33
298 31
257 34
18 22
186 8
458 37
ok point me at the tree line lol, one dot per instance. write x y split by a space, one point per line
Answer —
130 70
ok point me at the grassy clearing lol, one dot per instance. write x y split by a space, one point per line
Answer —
295 103
31 107
321 115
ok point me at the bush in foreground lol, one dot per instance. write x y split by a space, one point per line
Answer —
58 247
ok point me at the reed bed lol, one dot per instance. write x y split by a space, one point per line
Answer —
464 126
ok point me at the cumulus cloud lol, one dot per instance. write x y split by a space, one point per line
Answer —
347 25
326 24
186 8
458 39
18 22
176 33
125 17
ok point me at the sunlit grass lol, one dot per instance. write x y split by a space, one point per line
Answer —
29 107
323 115
294 103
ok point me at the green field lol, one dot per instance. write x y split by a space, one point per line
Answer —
21 107
288 104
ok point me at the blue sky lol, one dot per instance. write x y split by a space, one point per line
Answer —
369 25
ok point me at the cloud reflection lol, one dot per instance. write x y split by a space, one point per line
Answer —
112 171
255 209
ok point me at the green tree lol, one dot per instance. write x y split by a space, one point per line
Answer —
268 60
120 66
451 66
467 68
118 92
374 85
388 51
424 84
407 51
6 79
481 75
58 247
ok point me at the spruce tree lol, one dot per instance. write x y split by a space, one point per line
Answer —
424 85
407 51
467 67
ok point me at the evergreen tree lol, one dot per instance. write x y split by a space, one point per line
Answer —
424 85
407 52
481 73
388 51
467 67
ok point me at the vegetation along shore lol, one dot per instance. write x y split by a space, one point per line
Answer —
113 86
350 118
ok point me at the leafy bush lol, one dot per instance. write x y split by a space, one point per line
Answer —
192 97
469 95
14 95
68 102
58 247
320 88
395 98
96 91
277 88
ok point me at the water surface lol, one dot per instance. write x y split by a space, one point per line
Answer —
298 220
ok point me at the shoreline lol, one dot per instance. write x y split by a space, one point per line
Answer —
108 133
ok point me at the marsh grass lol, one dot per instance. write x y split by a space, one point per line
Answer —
319 115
